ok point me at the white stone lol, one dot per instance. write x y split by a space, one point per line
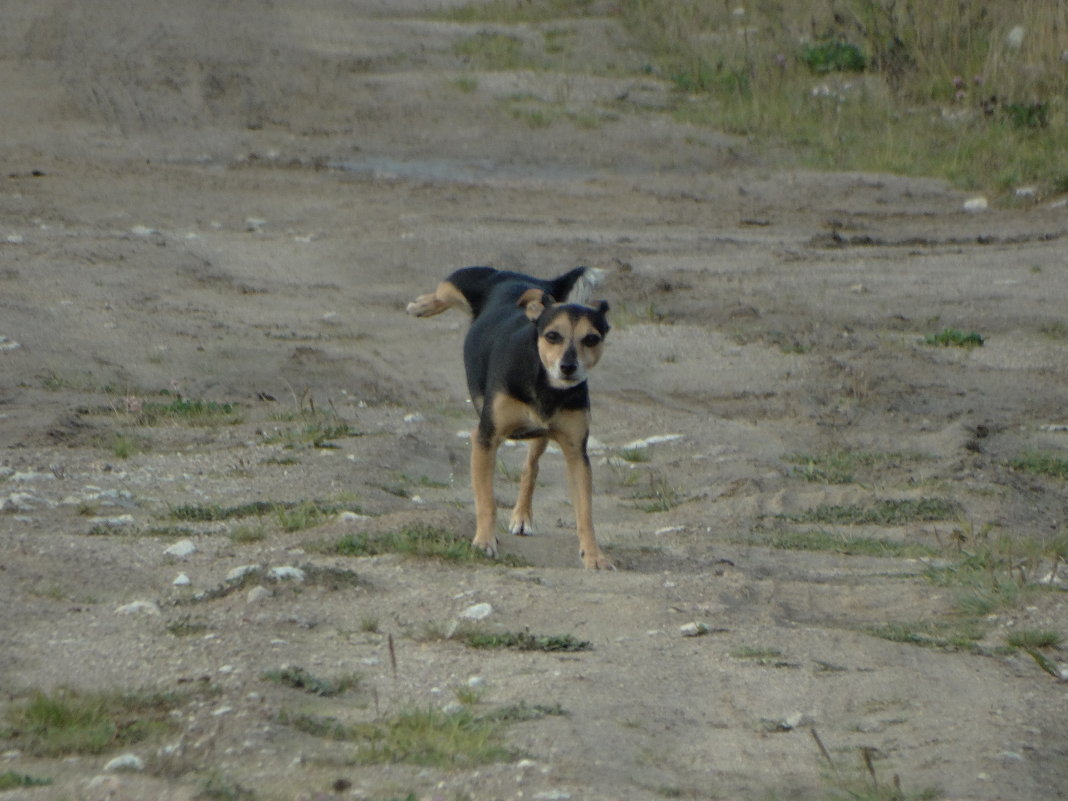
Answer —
125 762
257 594
694 629
182 580
286 573
181 549
240 572
137 608
477 612
976 204
653 440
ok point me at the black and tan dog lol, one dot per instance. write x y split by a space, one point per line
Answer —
527 359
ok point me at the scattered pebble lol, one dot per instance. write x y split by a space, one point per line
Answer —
352 517
254 224
8 344
138 607
143 230
477 612
660 532
240 572
654 440
414 417
476 682
181 549
182 580
976 204
694 629
118 521
552 795
257 594
796 720
125 762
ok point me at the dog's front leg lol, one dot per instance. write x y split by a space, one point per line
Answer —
572 441
522 514
483 463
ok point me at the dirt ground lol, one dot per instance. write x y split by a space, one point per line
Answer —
233 202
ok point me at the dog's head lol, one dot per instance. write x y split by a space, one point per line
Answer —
570 336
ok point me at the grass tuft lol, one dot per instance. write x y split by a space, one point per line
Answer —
418 541
430 738
1041 463
522 641
955 338
884 512
67 721
300 679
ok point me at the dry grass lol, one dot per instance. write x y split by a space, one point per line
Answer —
973 92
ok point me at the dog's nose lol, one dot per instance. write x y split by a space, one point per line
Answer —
568 368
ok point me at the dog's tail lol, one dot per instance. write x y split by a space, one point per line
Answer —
577 285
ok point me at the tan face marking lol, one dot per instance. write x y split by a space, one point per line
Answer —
569 347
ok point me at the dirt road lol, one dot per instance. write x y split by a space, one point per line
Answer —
211 219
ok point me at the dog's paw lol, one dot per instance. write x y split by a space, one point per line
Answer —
596 560
426 306
487 546
521 527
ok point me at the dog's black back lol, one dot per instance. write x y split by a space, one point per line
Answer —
483 286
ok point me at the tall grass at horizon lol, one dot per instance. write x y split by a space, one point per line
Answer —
976 93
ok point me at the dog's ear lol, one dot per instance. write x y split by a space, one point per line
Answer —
533 303
602 310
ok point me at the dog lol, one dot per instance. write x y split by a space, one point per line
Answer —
527 355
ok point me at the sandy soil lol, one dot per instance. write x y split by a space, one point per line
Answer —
234 202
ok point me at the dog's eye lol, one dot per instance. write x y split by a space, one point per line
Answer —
591 340
553 337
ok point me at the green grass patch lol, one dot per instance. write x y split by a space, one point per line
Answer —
300 679
316 429
948 635
66 721
833 56
430 738
509 12
1034 638
522 641
9 780
1041 463
183 411
836 542
954 338
926 89
292 515
634 455
419 541
884 512
658 496
765 657
841 466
